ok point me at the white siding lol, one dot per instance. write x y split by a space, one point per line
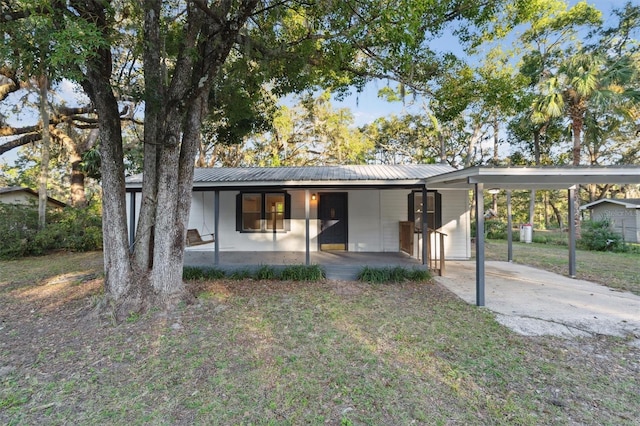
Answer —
293 240
201 214
373 222
20 198
395 209
364 220
624 221
456 224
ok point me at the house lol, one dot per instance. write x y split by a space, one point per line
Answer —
25 196
309 209
368 208
623 214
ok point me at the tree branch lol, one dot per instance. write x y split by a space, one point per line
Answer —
23 140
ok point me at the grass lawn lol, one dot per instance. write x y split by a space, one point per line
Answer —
615 270
267 352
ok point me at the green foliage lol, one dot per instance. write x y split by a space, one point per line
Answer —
195 273
598 235
395 274
406 139
241 274
302 273
68 229
48 41
266 272
495 230
18 227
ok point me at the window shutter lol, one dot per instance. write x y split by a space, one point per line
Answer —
410 202
438 206
287 211
239 212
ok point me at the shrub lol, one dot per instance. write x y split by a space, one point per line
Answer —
266 272
17 227
302 273
598 236
396 274
419 275
67 229
195 273
495 230
240 274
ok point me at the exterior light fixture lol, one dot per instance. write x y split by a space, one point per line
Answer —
493 191
313 197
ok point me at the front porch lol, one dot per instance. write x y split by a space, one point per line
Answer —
338 265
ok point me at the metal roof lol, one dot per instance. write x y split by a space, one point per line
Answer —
9 189
536 177
401 174
437 176
13 189
629 203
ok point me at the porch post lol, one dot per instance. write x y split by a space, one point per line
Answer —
479 244
216 226
132 220
425 231
509 228
572 232
307 257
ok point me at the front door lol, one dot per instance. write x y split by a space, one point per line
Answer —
332 213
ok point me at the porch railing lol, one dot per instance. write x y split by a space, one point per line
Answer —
435 248
435 251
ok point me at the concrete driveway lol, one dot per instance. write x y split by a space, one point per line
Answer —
534 302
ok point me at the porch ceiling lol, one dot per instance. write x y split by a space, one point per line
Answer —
534 177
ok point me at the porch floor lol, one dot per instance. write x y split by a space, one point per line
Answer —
338 265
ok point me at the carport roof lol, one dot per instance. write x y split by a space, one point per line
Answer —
535 177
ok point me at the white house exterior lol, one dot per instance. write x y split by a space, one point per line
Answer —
25 196
352 208
623 214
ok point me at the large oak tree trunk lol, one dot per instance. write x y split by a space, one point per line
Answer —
119 280
150 270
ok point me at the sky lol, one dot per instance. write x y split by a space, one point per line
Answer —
366 106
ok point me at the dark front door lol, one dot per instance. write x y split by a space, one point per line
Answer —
332 213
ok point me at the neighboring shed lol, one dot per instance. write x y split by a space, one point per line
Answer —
623 214
25 196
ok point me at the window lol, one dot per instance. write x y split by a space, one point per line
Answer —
274 211
263 211
434 209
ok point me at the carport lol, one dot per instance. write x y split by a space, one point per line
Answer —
481 178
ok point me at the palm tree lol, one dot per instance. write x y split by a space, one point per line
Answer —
586 78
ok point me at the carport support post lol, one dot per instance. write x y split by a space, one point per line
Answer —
509 228
216 227
479 244
307 256
572 232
